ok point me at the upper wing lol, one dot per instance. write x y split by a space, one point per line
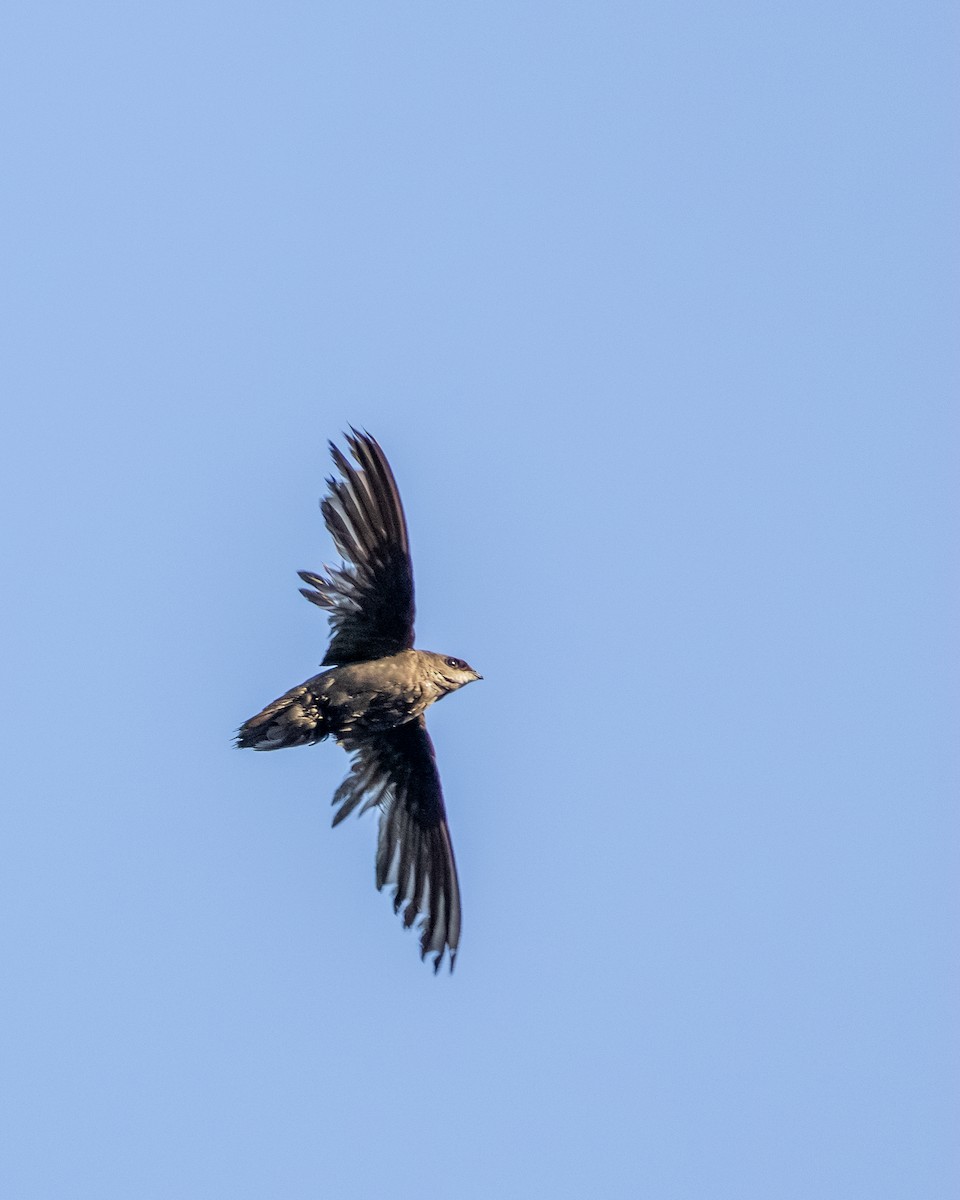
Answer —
370 597
397 770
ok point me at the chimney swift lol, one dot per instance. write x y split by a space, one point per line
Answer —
373 693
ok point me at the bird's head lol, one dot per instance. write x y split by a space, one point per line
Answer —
451 673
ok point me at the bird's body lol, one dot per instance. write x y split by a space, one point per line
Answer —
373 695
355 700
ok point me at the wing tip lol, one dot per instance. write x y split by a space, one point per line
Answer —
450 951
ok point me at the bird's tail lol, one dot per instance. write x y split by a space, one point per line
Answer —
296 719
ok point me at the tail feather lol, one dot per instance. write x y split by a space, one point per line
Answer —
296 719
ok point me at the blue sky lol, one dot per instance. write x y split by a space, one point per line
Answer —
654 309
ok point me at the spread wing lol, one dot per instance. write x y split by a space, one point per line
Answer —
370 597
397 771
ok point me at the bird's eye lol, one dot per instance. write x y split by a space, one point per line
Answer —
456 663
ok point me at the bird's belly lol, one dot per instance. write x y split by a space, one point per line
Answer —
380 715
372 713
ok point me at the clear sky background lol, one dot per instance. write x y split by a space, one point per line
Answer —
654 309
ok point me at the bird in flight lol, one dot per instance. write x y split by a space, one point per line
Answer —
372 697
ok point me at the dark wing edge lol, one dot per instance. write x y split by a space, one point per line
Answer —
397 772
370 598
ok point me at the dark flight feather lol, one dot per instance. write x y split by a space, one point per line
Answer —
370 599
397 770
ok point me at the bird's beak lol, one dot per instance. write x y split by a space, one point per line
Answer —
476 674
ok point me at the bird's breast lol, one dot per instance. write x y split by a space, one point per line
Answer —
368 697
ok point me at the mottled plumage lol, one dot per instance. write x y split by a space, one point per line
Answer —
373 695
